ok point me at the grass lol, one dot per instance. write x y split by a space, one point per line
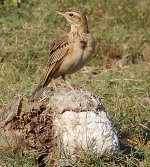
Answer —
118 73
12 160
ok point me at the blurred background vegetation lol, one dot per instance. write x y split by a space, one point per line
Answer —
119 71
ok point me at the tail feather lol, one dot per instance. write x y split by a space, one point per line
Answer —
46 80
38 91
42 86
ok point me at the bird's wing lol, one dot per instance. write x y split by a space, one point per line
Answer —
59 49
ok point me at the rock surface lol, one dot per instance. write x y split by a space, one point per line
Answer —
66 123
81 123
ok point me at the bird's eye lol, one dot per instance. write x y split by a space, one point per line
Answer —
71 14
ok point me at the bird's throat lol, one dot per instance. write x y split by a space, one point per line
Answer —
78 29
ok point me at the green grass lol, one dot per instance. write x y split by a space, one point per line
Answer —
12 160
121 66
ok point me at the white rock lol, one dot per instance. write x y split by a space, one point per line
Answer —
81 122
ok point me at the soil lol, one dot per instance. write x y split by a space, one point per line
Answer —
26 126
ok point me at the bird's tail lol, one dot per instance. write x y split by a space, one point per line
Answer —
42 86
38 91
45 81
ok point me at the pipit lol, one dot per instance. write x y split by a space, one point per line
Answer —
69 52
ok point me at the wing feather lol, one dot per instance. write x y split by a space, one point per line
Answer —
59 49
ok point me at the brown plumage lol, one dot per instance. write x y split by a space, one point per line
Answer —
69 52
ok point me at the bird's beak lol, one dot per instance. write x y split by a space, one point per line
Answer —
60 13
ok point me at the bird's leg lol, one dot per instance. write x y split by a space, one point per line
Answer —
63 77
54 84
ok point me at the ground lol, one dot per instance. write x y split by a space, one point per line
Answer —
119 72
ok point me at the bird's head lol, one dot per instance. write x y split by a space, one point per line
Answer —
75 17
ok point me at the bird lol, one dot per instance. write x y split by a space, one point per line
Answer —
69 52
